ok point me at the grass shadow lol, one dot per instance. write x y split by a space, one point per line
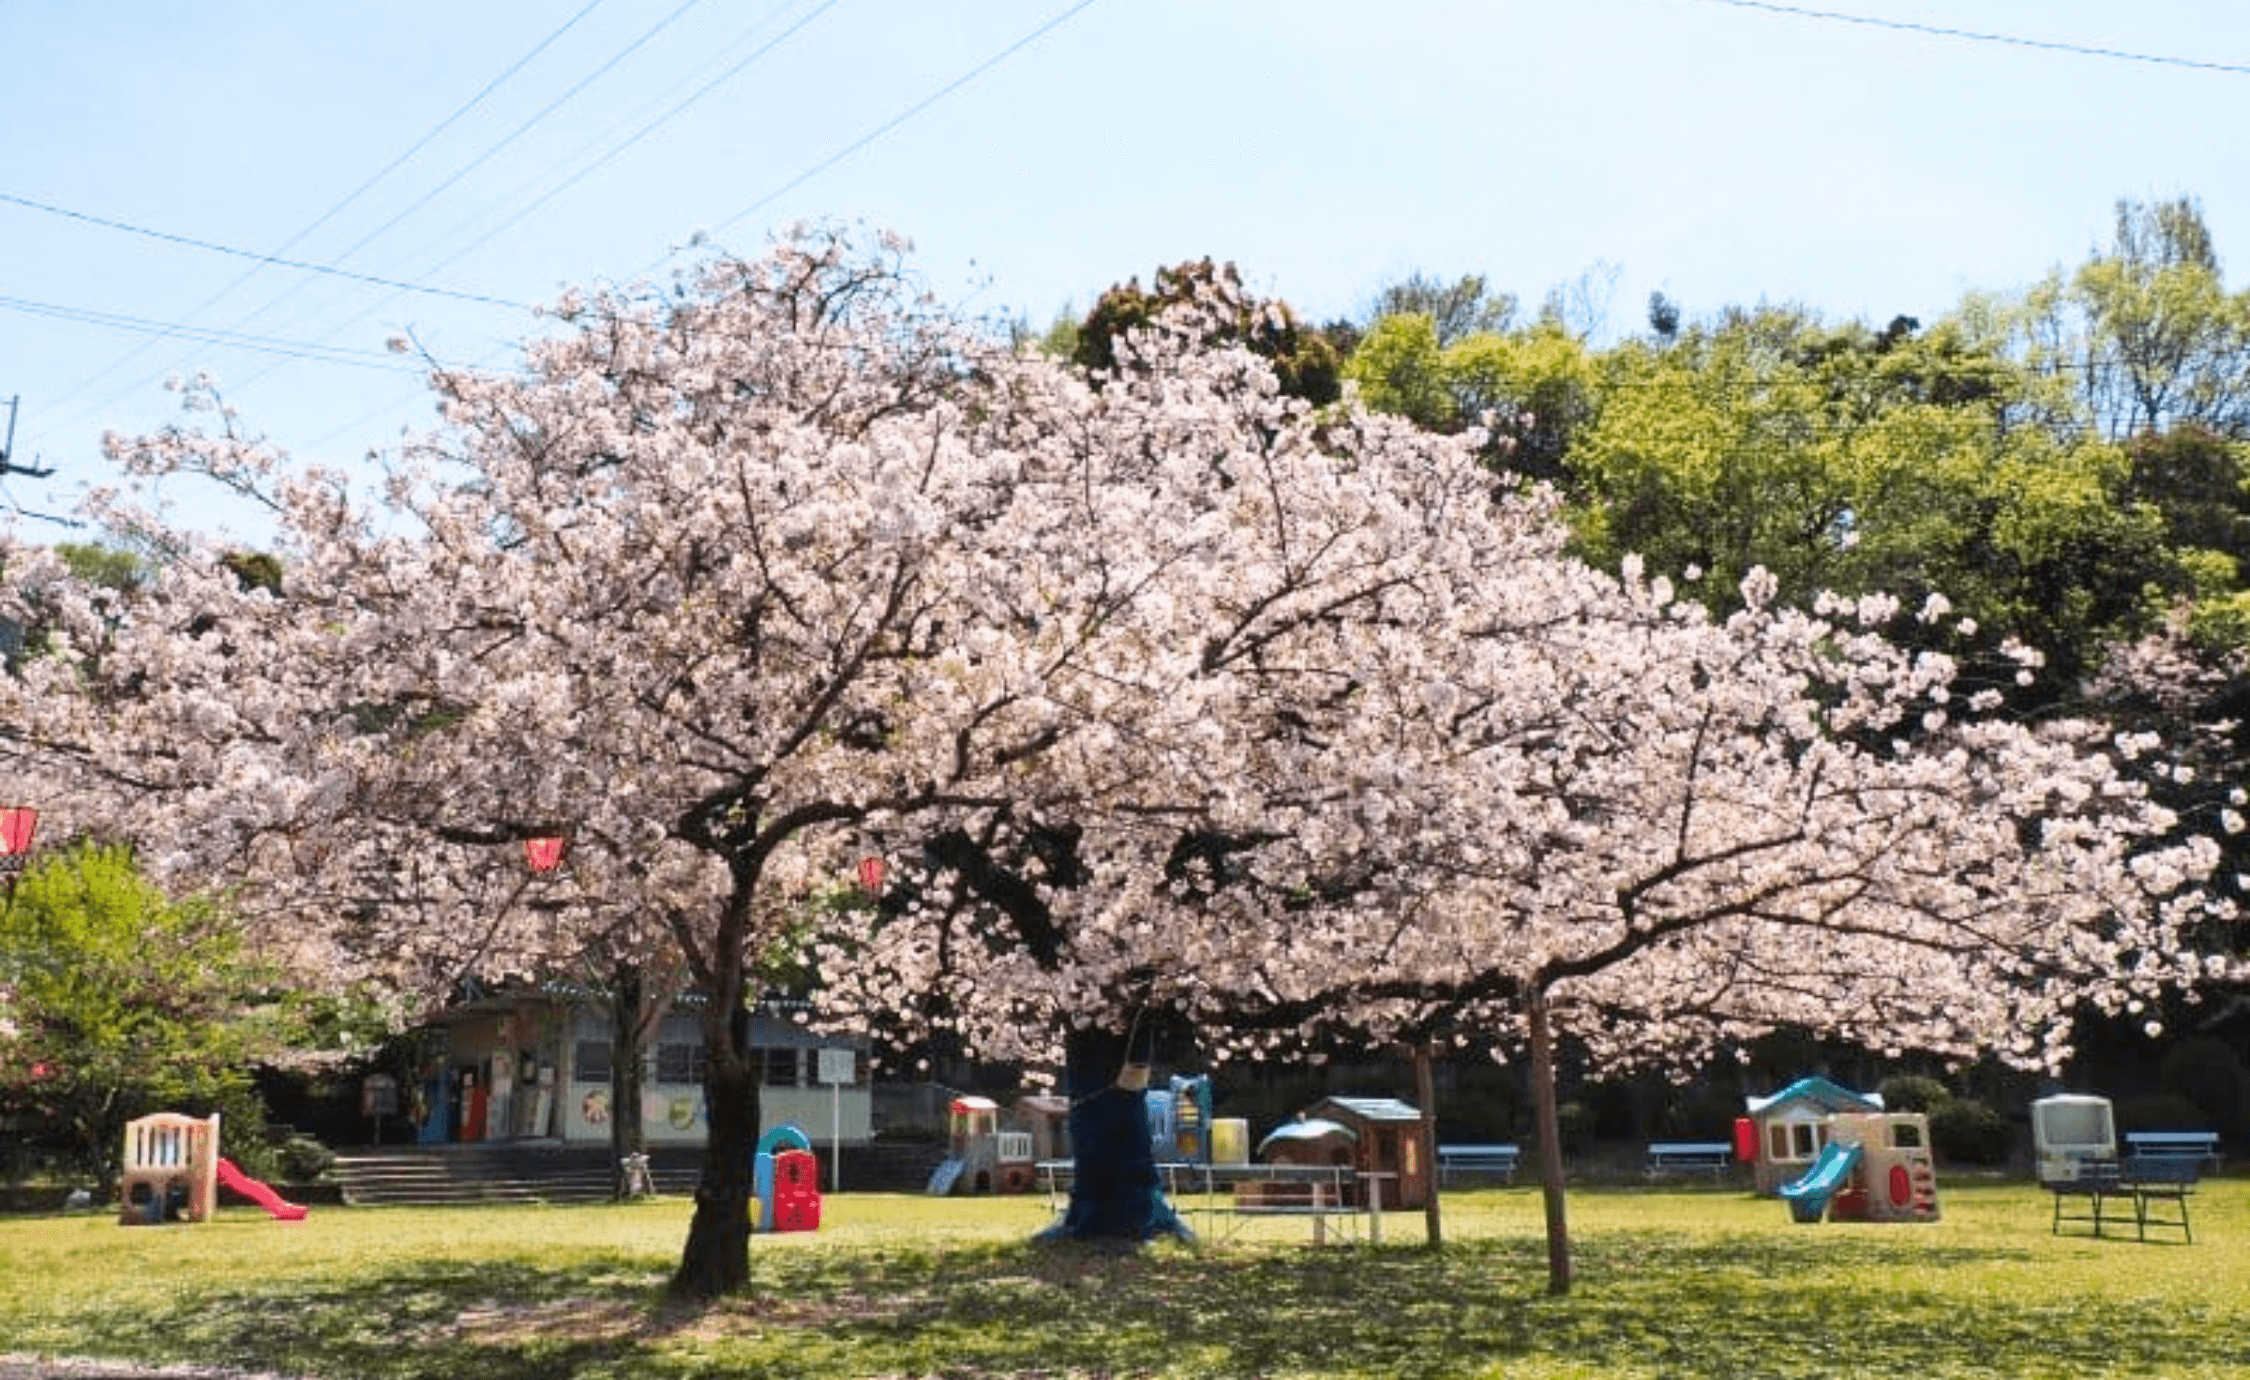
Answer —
1647 1303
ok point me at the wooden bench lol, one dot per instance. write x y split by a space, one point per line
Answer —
2142 1183
1713 1157
1477 1159
1317 1194
2194 1147
1287 1196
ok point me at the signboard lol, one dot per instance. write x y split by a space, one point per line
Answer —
836 1066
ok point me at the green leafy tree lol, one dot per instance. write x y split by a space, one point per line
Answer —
1306 364
1457 310
116 1001
1532 389
108 566
2143 336
1858 461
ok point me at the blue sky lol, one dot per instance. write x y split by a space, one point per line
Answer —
1719 151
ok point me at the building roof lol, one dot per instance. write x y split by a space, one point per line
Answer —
1372 1108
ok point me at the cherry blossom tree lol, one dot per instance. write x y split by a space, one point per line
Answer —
1588 810
726 585
1164 692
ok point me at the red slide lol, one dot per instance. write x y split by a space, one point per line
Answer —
277 1207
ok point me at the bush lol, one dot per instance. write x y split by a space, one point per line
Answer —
1966 1131
2209 1074
1575 1121
1913 1093
1706 1114
304 1160
2159 1112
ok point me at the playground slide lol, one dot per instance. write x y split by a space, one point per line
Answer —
277 1207
945 1176
1808 1197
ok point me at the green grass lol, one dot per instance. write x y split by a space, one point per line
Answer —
1685 1283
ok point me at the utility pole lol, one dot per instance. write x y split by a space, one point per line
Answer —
8 463
9 466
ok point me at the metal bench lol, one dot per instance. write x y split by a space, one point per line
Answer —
2142 1183
2194 1147
1713 1157
1477 1159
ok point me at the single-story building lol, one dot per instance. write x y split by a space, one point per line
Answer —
535 1065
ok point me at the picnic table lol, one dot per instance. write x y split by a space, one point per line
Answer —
2137 1188
1223 1194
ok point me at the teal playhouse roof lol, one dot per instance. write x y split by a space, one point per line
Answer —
1827 1096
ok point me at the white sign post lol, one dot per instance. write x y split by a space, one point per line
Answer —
835 1071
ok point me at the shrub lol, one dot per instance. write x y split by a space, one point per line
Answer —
1966 1131
1706 1114
2209 1074
304 1159
2159 1112
1913 1093
1575 1122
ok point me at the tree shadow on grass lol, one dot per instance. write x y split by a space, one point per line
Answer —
1645 1304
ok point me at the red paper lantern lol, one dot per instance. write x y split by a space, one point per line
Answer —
17 824
544 854
871 875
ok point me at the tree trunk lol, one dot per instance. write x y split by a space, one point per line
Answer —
1548 1123
1115 1192
625 1046
716 1260
1425 1092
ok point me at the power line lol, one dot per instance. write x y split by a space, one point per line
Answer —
273 260
646 129
296 349
2012 40
669 114
520 130
909 113
333 211
487 155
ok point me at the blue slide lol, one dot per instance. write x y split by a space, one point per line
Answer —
1808 1197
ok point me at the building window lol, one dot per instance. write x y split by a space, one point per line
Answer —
589 1061
681 1063
781 1068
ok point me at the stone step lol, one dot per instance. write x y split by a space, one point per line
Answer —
509 1172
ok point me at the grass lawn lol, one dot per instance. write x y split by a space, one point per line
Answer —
1695 1282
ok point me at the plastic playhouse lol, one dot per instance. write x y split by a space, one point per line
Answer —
985 1156
785 1180
1180 1129
980 1157
172 1172
1829 1152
